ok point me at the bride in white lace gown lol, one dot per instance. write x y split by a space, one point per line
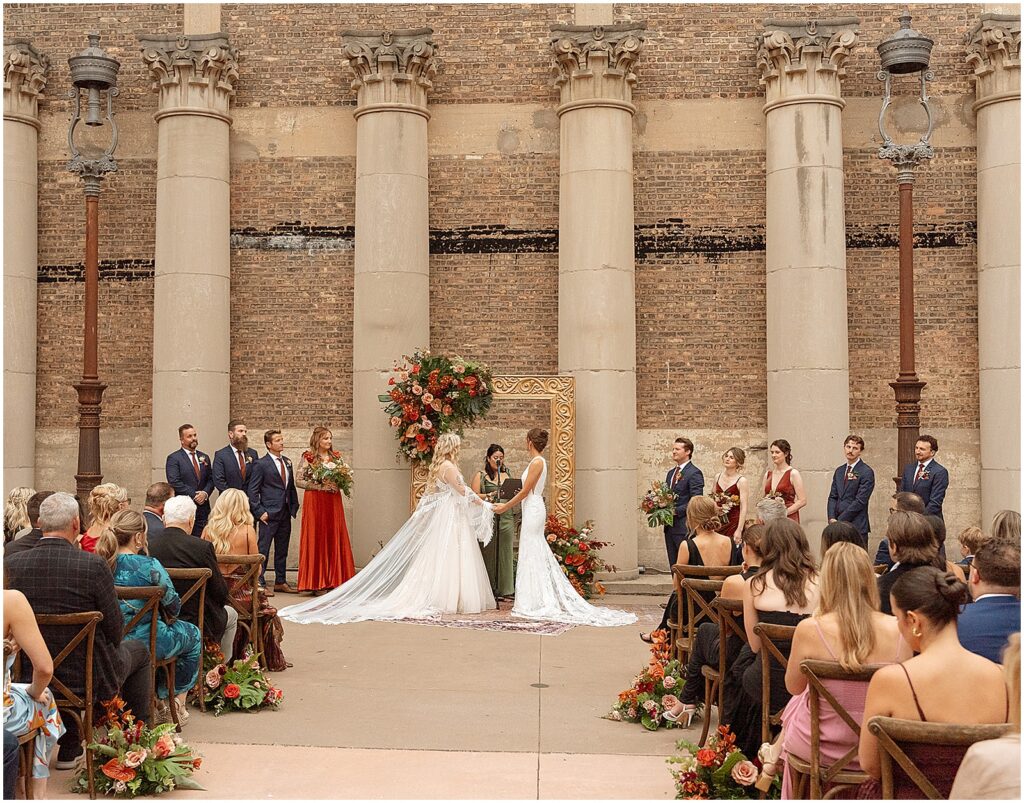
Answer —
542 589
431 566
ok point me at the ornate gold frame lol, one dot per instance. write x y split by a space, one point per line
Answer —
561 392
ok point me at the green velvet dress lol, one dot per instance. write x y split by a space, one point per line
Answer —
498 553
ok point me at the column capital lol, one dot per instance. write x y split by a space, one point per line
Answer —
804 62
392 70
193 75
593 64
25 71
993 51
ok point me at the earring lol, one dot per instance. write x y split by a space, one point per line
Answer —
915 633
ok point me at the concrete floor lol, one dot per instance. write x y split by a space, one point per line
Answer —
387 710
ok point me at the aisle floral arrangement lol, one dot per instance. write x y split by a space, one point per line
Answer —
335 471
718 771
653 690
131 759
659 503
576 552
433 394
240 686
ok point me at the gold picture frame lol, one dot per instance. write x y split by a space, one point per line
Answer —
560 391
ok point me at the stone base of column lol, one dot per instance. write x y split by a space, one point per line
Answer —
1000 441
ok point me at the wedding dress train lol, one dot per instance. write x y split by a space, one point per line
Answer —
432 565
542 589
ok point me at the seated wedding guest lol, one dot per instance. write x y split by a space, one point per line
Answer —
1006 524
704 651
908 502
987 623
769 509
157 495
848 629
930 686
970 539
56 577
912 542
30 705
32 537
175 548
706 547
104 501
991 769
123 546
784 592
839 532
231 532
16 521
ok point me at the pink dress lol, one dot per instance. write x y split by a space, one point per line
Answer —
836 736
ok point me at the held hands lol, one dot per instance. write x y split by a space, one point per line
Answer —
500 508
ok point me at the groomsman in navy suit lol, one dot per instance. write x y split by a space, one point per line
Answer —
926 477
274 502
189 473
232 465
687 481
852 485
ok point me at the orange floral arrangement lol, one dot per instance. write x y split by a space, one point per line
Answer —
576 552
718 771
653 690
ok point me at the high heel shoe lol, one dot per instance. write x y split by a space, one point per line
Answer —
769 754
646 638
689 711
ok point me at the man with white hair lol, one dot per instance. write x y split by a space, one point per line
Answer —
59 578
770 508
177 548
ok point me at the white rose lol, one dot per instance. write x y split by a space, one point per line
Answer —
330 466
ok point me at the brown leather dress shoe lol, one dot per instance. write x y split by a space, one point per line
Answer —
284 588
267 590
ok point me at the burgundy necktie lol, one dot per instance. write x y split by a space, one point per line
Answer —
284 474
675 477
195 465
241 465
920 471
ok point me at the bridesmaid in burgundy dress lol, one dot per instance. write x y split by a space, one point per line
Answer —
733 483
785 480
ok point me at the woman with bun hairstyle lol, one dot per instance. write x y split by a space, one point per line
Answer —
943 683
784 480
542 589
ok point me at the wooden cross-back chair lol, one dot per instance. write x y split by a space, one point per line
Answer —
727 613
895 734
811 771
771 637
692 609
151 596
199 578
248 615
26 748
79 707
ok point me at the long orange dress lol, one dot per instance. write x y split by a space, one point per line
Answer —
325 552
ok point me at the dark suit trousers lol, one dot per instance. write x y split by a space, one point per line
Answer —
202 516
277 531
672 544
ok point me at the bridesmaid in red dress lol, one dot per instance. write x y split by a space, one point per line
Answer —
784 480
733 483
325 553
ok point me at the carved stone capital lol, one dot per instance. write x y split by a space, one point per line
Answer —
24 79
804 62
593 65
392 70
193 75
993 51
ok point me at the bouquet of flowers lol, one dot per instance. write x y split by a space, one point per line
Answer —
653 690
718 771
431 395
576 552
726 502
659 503
131 759
334 472
242 686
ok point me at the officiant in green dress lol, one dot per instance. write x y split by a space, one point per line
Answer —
498 553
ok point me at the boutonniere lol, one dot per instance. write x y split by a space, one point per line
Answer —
248 458
851 475
287 462
202 460
925 475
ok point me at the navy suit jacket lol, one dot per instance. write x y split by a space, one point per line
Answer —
848 499
689 485
932 490
267 494
225 469
181 476
985 626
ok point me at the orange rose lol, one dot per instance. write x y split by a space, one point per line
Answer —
231 691
706 757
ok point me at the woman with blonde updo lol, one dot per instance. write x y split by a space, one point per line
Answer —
105 500
16 521
431 566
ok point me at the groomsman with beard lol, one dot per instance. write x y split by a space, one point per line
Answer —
189 474
687 481
232 465
926 477
274 503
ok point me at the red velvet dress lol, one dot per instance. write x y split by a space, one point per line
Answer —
785 488
734 512
325 552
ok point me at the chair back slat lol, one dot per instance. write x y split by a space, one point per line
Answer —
248 617
691 610
771 635
729 611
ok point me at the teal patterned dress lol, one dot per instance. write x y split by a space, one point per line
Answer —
179 639
498 553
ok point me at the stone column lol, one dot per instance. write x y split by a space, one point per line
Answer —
994 54
392 76
24 79
194 77
596 299
801 65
